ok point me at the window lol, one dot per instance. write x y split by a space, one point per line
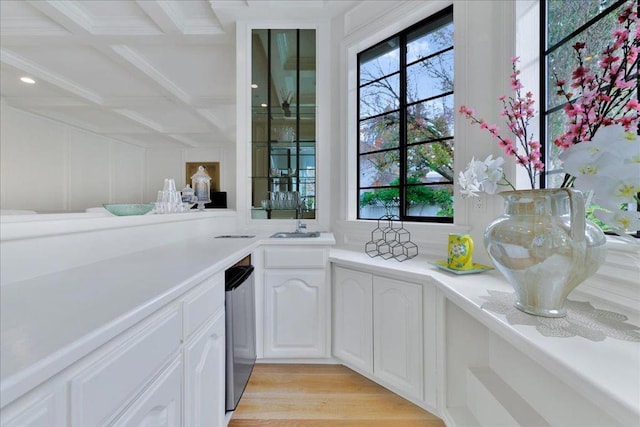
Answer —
564 23
568 22
405 124
283 123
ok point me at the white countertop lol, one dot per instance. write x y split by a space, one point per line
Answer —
605 371
49 322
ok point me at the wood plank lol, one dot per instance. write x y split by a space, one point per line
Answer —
322 395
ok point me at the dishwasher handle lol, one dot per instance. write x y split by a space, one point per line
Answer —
235 276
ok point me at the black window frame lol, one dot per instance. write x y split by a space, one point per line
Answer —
402 112
544 54
545 51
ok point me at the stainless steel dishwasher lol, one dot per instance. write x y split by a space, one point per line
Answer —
240 331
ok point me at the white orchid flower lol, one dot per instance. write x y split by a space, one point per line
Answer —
481 176
617 141
580 161
620 221
608 134
608 191
469 185
493 174
609 167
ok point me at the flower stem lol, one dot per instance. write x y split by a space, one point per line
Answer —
508 183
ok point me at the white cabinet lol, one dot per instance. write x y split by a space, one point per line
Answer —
168 370
204 360
490 382
295 302
42 407
353 318
161 403
206 300
378 329
295 314
397 334
106 387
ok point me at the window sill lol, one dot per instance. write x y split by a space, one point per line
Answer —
617 279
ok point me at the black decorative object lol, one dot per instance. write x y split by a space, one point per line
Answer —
391 240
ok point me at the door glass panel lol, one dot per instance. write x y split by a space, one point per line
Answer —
283 122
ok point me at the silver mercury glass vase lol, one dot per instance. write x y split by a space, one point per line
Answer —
545 247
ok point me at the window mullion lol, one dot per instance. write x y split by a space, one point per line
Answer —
542 90
403 126
359 120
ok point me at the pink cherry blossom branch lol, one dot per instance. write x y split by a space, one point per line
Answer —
606 97
518 111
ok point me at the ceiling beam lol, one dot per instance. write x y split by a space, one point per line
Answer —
133 116
16 61
66 14
162 15
184 140
151 72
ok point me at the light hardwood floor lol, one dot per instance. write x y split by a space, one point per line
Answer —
322 395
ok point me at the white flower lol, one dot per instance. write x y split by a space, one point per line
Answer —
612 191
492 173
620 221
609 165
481 176
469 185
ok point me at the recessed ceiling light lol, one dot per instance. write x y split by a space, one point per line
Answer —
27 80
254 86
263 105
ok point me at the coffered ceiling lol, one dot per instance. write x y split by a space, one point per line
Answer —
153 73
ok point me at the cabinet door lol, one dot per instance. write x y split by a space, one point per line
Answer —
107 386
204 392
353 318
46 406
161 404
397 337
295 314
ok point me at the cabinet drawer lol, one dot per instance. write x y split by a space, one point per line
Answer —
161 404
103 389
294 257
202 303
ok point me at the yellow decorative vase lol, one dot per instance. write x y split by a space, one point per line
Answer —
460 252
545 247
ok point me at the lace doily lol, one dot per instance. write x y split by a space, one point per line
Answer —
582 319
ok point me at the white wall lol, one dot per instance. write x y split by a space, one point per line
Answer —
50 167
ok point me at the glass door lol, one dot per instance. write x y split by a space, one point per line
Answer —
283 123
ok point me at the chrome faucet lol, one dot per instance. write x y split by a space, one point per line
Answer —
300 227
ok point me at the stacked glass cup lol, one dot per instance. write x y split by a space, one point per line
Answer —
170 200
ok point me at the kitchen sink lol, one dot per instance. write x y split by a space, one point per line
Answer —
295 234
